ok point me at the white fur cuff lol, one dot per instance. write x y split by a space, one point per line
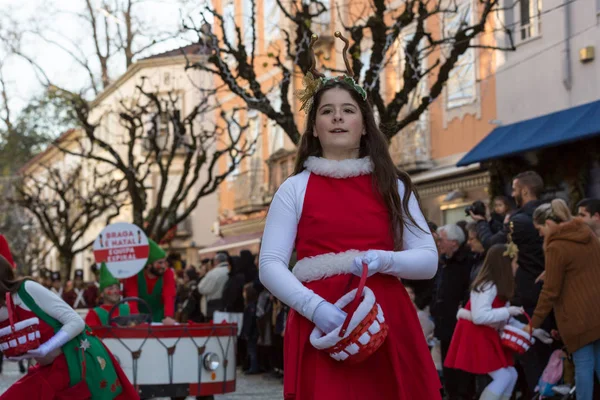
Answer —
325 265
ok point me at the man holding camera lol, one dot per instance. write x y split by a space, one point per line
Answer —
527 189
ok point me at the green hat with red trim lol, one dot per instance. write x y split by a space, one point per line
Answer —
155 253
106 278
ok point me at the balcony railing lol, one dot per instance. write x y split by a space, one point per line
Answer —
250 192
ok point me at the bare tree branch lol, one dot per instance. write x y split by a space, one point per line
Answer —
65 203
417 31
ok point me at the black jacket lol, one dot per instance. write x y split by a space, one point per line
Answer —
452 291
531 251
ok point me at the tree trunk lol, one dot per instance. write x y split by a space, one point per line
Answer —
66 263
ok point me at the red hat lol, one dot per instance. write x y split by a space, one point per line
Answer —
5 251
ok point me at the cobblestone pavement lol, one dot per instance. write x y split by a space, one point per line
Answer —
254 387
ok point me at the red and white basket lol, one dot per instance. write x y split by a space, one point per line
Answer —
363 331
18 338
516 339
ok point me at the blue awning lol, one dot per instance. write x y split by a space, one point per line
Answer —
564 126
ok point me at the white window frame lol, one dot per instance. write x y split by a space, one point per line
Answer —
272 16
229 22
461 86
533 26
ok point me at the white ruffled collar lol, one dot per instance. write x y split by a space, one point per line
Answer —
339 169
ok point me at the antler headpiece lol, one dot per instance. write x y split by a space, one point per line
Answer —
314 80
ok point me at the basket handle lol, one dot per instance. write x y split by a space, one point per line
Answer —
11 309
528 322
356 301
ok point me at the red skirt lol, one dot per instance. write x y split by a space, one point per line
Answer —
402 368
51 382
477 349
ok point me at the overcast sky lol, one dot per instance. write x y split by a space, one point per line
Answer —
21 79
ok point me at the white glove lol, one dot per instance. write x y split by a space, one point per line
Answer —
19 358
514 311
377 261
464 314
327 317
543 336
58 340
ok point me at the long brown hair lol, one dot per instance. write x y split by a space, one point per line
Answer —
496 269
373 144
9 283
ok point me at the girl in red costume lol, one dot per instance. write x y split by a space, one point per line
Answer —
476 346
71 364
346 204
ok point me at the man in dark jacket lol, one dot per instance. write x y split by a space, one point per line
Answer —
452 292
527 189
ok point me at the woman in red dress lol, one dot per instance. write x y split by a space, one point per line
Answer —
347 204
476 346
71 364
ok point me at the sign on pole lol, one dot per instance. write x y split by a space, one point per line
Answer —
124 249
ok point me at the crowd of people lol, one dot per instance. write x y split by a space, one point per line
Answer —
531 259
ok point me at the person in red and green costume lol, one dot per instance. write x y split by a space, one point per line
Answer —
110 289
156 285
71 363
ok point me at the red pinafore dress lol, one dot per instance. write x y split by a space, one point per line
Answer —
340 215
477 348
51 382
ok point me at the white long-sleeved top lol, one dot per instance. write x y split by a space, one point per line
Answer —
482 312
418 260
52 305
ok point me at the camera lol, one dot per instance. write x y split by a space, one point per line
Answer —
477 208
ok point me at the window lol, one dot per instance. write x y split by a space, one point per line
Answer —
275 132
253 131
271 20
229 22
530 18
365 59
399 65
460 87
248 28
235 134
320 24
283 168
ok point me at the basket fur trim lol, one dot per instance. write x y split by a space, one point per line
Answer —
325 265
19 325
320 341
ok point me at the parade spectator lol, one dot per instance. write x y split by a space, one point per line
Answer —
571 289
76 297
190 307
452 292
92 289
527 190
501 207
56 286
212 285
589 211
250 328
248 266
477 249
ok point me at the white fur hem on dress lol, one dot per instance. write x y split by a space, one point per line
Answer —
325 265
339 168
